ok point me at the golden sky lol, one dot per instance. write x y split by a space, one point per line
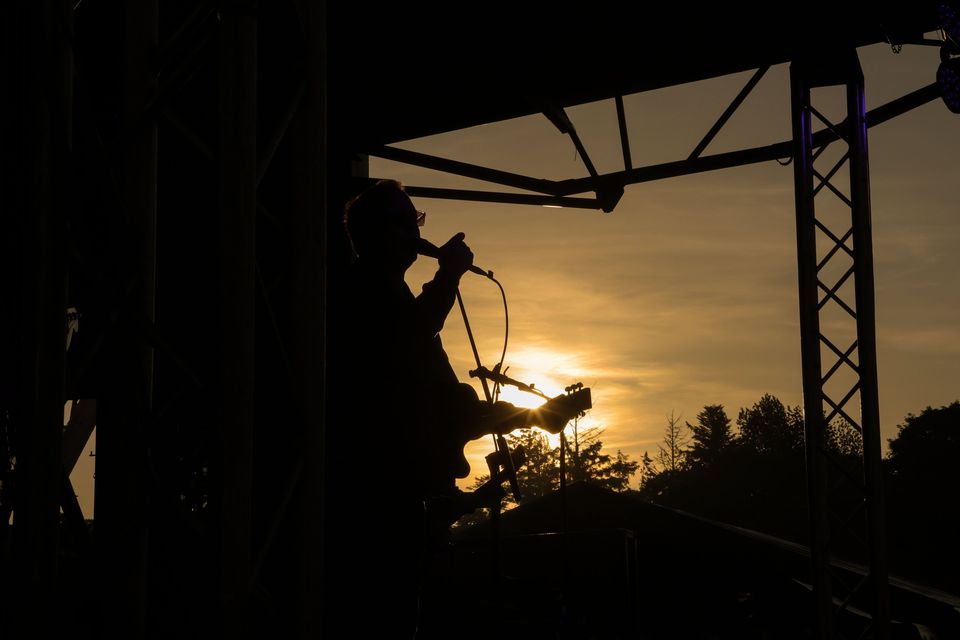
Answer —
686 295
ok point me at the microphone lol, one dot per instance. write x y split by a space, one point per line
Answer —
427 248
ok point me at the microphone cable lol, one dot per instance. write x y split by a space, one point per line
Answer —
506 334
491 396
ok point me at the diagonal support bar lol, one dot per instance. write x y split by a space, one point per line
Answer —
468 170
832 172
624 137
558 116
833 296
729 111
844 358
825 182
839 243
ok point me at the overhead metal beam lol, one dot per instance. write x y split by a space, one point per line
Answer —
753 155
613 181
506 198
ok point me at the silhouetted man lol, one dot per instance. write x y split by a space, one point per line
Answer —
402 408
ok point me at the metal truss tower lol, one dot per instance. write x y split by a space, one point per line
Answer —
838 344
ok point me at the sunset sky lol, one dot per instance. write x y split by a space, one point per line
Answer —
686 295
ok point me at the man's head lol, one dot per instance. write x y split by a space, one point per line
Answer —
383 225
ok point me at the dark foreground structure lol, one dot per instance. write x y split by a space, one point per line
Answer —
175 173
598 564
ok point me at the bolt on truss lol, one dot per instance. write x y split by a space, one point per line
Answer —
838 345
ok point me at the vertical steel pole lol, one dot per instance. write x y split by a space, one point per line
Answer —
140 167
121 500
309 298
810 349
43 133
867 354
237 175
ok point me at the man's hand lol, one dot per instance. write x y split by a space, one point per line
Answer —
455 256
549 420
503 417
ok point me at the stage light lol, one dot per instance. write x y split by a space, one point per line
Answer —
948 79
948 74
949 17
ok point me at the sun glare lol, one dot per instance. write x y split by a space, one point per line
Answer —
522 398
548 371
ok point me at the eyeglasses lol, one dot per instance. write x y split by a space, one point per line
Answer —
421 218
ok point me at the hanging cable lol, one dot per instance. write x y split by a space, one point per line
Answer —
506 322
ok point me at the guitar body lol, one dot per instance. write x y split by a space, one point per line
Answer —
484 418
447 503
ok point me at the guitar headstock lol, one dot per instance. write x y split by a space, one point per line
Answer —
577 399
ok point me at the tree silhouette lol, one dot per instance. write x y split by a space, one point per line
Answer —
621 470
647 469
590 464
769 427
711 436
672 453
540 474
844 440
927 446
923 479
754 478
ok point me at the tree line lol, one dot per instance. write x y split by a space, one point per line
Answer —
751 471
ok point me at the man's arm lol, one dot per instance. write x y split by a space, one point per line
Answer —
435 301
503 417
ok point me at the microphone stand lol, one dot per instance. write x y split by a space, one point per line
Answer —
501 446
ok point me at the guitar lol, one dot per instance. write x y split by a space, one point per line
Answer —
500 418
448 506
